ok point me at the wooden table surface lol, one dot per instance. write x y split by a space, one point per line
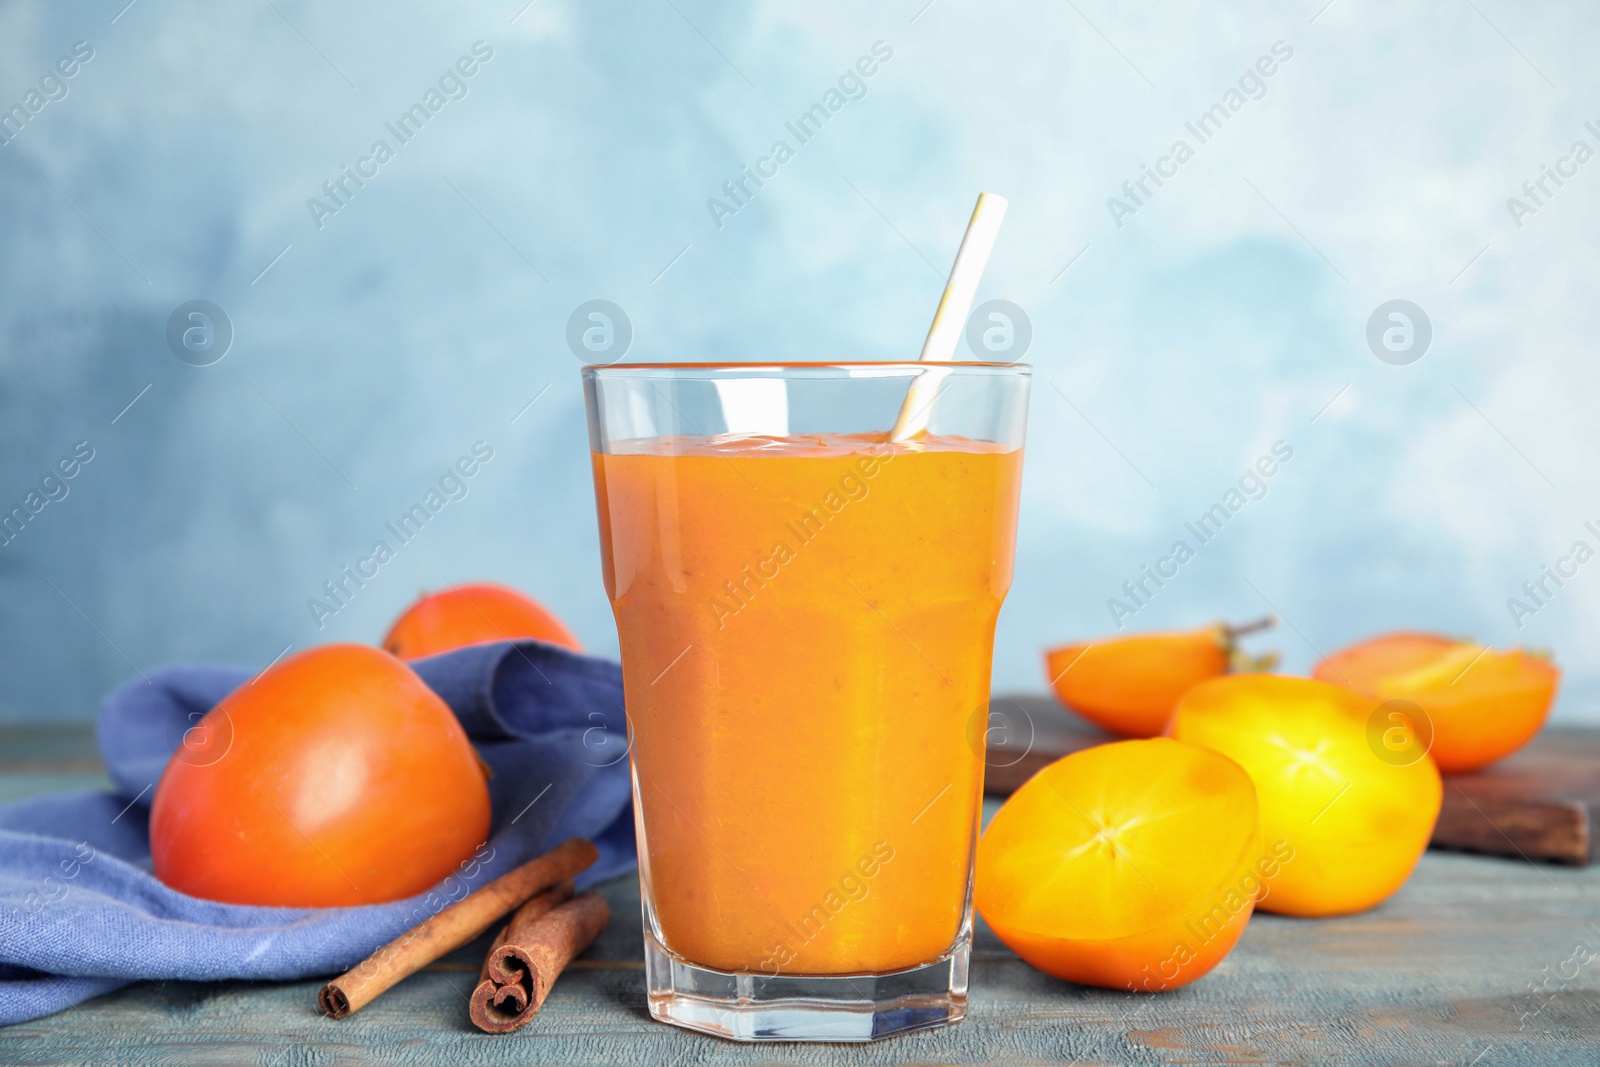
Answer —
1472 963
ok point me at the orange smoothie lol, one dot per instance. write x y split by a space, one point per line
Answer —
807 625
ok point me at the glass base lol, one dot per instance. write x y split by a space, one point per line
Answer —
748 1006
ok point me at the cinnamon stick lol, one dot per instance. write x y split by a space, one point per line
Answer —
451 928
528 956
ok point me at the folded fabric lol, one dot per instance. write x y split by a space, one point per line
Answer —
81 914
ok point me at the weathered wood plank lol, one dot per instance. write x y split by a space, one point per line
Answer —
1439 974
18 786
60 749
1472 963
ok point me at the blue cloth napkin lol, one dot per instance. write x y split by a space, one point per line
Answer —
81 914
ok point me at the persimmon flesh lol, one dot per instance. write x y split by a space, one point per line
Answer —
1352 818
1482 705
1131 865
1129 685
335 777
472 615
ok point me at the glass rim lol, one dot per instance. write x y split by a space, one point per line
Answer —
886 368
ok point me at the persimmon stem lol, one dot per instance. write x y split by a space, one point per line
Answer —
1266 622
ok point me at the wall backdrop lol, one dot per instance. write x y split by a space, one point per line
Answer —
394 210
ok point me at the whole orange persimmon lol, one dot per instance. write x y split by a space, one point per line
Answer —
1354 813
471 615
335 777
1129 685
1133 865
1480 705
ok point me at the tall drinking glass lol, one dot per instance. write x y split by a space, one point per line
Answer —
806 612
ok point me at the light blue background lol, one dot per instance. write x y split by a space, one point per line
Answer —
1226 314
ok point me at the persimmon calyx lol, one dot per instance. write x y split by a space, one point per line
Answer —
1239 661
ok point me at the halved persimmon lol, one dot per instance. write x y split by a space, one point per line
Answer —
1482 704
1347 815
473 615
1129 685
1132 865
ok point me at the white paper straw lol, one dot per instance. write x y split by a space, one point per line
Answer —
954 307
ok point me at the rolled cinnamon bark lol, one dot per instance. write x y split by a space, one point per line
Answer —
452 927
528 956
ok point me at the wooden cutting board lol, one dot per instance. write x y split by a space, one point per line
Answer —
1542 803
